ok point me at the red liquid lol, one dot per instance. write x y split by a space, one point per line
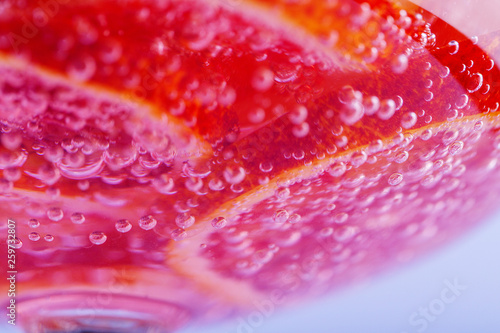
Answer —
193 158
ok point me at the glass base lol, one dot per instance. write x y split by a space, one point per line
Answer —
98 313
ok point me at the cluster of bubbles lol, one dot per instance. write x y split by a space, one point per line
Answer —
346 172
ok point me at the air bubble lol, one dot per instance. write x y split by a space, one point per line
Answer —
452 114
77 218
55 214
395 179
234 174
82 69
426 135
98 237
399 64
5 186
216 185
352 112
266 166
147 222
478 125
444 72
337 169
408 120
449 136
184 220
33 223
11 140
454 46
401 157
371 105
123 226
178 234
298 114
475 82
456 147
294 218
282 193
257 115
301 130
281 216
16 243
34 236
345 233
83 185
358 158
263 79
263 256
387 109
341 217
219 222
462 101
164 184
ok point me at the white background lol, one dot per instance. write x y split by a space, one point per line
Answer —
385 304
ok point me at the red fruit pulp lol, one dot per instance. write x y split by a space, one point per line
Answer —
195 150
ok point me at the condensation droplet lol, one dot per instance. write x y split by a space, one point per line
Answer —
98 237
147 222
48 238
123 225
